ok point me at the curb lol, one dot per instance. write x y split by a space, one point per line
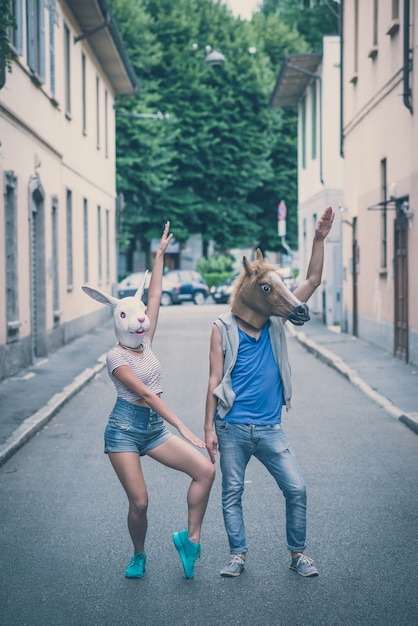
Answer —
332 360
34 423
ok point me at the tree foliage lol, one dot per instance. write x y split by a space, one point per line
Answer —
223 159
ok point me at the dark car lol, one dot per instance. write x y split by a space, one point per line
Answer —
178 286
183 286
221 293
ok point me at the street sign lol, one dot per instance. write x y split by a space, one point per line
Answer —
281 219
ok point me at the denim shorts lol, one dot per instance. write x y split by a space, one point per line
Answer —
133 428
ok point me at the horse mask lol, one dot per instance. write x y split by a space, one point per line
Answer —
129 315
259 293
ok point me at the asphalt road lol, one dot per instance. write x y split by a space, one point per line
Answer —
64 543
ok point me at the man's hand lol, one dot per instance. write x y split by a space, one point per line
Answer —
211 444
324 224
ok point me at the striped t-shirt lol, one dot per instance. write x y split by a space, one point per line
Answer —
145 365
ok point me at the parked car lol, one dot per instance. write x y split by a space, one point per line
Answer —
182 286
129 285
178 286
220 293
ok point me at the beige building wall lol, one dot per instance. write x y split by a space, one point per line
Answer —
380 133
320 177
58 149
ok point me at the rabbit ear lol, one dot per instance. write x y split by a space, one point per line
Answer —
100 296
140 291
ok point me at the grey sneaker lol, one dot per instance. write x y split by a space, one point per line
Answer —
234 567
303 565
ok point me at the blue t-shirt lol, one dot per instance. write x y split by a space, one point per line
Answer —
256 382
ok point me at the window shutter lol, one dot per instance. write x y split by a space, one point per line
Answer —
52 45
41 41
18 40
30 29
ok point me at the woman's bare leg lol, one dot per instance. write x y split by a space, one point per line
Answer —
127 466
179 455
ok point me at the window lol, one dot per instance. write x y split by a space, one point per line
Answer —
55 260
99 241
69 240
303 132
107 246
373 52
354 78
16 34
86 239
106 126
97 113
35 32
394 24
52 13
83 93
11 295
314 120
67 70
383 218
375 21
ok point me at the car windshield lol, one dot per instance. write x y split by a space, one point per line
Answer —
134 280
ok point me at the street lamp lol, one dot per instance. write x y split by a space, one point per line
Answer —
213 57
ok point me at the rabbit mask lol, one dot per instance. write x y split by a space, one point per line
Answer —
129 315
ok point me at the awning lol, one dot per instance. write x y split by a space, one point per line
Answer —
295 74
98 26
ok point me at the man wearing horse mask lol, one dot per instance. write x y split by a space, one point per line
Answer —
249 382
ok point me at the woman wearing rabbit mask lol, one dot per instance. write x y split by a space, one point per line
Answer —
136 425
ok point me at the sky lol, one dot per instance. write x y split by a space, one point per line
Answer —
243 8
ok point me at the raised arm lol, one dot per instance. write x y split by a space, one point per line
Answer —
155 286
316 263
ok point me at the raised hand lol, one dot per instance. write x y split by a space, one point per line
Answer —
165 238
324 223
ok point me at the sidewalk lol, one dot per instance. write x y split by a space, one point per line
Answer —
391 383
32 397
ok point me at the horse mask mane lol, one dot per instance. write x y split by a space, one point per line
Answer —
130 318
259 293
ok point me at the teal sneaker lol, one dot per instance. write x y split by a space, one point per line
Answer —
136 568
188 551
303 565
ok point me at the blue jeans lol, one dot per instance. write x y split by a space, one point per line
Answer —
237 444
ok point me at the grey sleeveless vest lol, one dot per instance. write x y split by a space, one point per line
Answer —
228 328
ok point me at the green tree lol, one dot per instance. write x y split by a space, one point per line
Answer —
222 161
223 142
312 22
144 147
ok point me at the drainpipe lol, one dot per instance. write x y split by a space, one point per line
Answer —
341 30
406 57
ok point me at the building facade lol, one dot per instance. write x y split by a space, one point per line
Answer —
380 146
58 173
311 82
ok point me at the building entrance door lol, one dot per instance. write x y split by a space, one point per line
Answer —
38 271
401 284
